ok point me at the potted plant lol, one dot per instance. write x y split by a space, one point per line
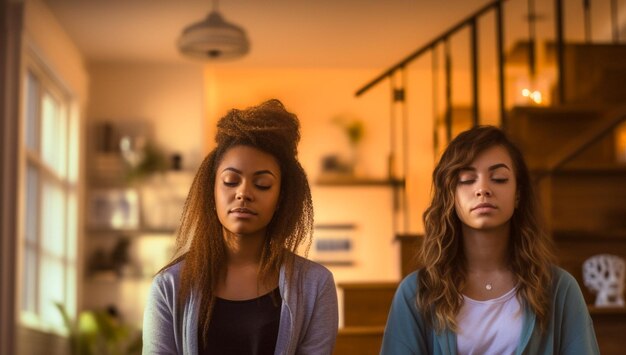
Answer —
100 333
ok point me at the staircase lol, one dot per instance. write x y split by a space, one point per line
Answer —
576 150
366 306
572 153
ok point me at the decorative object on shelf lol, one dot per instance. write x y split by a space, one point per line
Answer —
213 39
163 197
335 164
121 259
352 127
100 264
604 274
333 244
142 158
115 209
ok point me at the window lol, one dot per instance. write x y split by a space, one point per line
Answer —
49 195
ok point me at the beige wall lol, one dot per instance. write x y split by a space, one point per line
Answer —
47 38
316 96
168 97
182 103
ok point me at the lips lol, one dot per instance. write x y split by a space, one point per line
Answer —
483 206
243 210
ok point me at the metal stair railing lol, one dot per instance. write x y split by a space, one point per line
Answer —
398 90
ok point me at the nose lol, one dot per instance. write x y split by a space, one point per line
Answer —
243 194
483 192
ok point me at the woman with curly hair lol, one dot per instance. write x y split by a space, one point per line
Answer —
488 285
237 285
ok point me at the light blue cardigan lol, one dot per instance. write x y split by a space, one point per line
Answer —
570 329
308 319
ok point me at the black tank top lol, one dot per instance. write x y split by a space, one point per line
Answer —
243 327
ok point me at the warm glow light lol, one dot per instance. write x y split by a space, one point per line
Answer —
534 96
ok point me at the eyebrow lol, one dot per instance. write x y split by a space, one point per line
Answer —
491 168
260 172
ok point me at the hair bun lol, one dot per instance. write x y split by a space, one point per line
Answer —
268 126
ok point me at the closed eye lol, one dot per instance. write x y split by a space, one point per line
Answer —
231 184
500 181
260 187
466 182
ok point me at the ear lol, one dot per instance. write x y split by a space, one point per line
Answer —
516 199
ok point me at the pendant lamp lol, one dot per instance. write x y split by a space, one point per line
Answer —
213 39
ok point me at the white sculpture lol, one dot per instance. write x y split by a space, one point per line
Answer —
604 274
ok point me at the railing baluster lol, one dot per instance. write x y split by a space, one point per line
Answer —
485 9
587 15
405 152
392 129
475 76
532 69
614 21
392 156
500 58
435 82
560 47
448 65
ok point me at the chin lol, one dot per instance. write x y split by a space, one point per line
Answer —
487 226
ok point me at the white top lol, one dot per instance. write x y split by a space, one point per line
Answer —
489 327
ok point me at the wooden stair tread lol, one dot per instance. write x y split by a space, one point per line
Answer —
560 111
362 330
359 340
578 144
604 168
367 303
375 285
618 235
613 311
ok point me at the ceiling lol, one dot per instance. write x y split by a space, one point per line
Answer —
283 33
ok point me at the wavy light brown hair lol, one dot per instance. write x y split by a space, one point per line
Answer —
530 249
200 242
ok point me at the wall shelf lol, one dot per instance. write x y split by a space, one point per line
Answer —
345 181
130 232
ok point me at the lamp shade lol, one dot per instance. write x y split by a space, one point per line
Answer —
213 39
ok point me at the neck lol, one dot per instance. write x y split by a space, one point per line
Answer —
243 249
486 250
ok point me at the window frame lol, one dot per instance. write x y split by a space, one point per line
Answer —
64 180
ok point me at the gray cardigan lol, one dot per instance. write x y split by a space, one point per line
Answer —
308 319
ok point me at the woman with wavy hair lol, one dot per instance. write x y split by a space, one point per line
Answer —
488 284
237 285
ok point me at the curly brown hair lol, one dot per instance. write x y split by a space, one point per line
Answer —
200 243
530 248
